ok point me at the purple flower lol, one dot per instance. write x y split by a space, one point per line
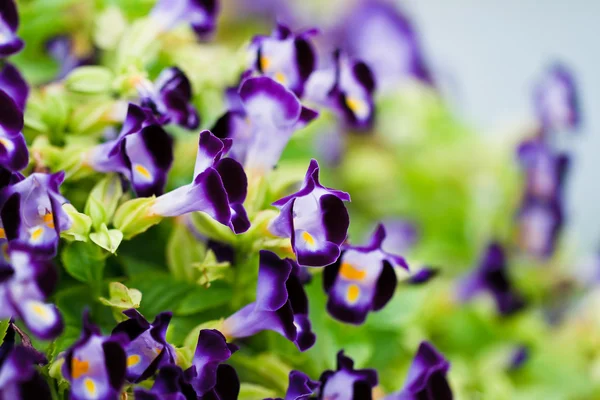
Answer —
209 378
491 276
19 378
281 305
148 349
13 149
285 57
545 170
381 36
539 225
200 14
347 383
32 211
13 83
9 23
426 377
170 98
315 219
218 189
262 122
95 365
170 384
64 51
347 87
519 357
424 275
400 235
143 153
555 99
26 280
300 387
361 280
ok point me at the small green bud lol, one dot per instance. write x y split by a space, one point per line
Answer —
80 225
108 239
103 200
121 298
211 269
134 217
183 251
90 80
211 228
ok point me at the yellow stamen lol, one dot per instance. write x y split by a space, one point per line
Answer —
90 386
347 271
143 171
265 63
39 310
158 350
2 233
133 360
37 232
48 220
79 368
356 106
5 142
308 238
353 293
280 77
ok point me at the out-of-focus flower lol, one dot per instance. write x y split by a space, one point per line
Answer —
170 98
519 357
10 43
555 99
19 378
300 386
285 57
148 349
539 225
315 219
26 280
545 171
426 377
422 276
261 122
400 235
143 153
281 305
13 83
219 187
170 383
491 276
13 149
347 87
382 36
346 382
63 49
207 375
362 280
95 365
32 211
200 14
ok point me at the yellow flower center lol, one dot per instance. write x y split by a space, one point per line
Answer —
308 238
133 360
79 368
349 272
353 293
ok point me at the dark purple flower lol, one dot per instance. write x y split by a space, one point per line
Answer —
315 219
13 149
422 276
170 384
143 153
426 378
208 376
200 14
347 383
13 83
361 280
285 57
281 305
519 357
64 51
19 378
491 276
32 211
555 99
262 122
545 170
218 189
10 43
148 349
300 387
347 86
170 98
26 280
95 365
539 225
381 36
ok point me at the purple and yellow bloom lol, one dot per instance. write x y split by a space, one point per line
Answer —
300 387
426 377
285 57
555 99
13 83
95 365
32 211
143 153
545 170
347 383
539 226
170 98
10 43
347 86
315 219
19 378
218 189
14 155
361 280
281 305
262 122
170 384
147 350
26 280
491 276
200 14
381 36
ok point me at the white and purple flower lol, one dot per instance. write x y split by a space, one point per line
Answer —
347 382
556 101
200 14
10 43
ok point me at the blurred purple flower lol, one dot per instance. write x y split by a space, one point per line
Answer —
63 50
200 14
14 155
10 43
13 83
539 225
346 382
556 100
300 387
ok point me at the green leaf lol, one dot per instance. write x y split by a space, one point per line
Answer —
90 79
84 262
161 291
211 228
121 298
202 299
250 391
107 239
103 200
3 328
183 250
80 224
